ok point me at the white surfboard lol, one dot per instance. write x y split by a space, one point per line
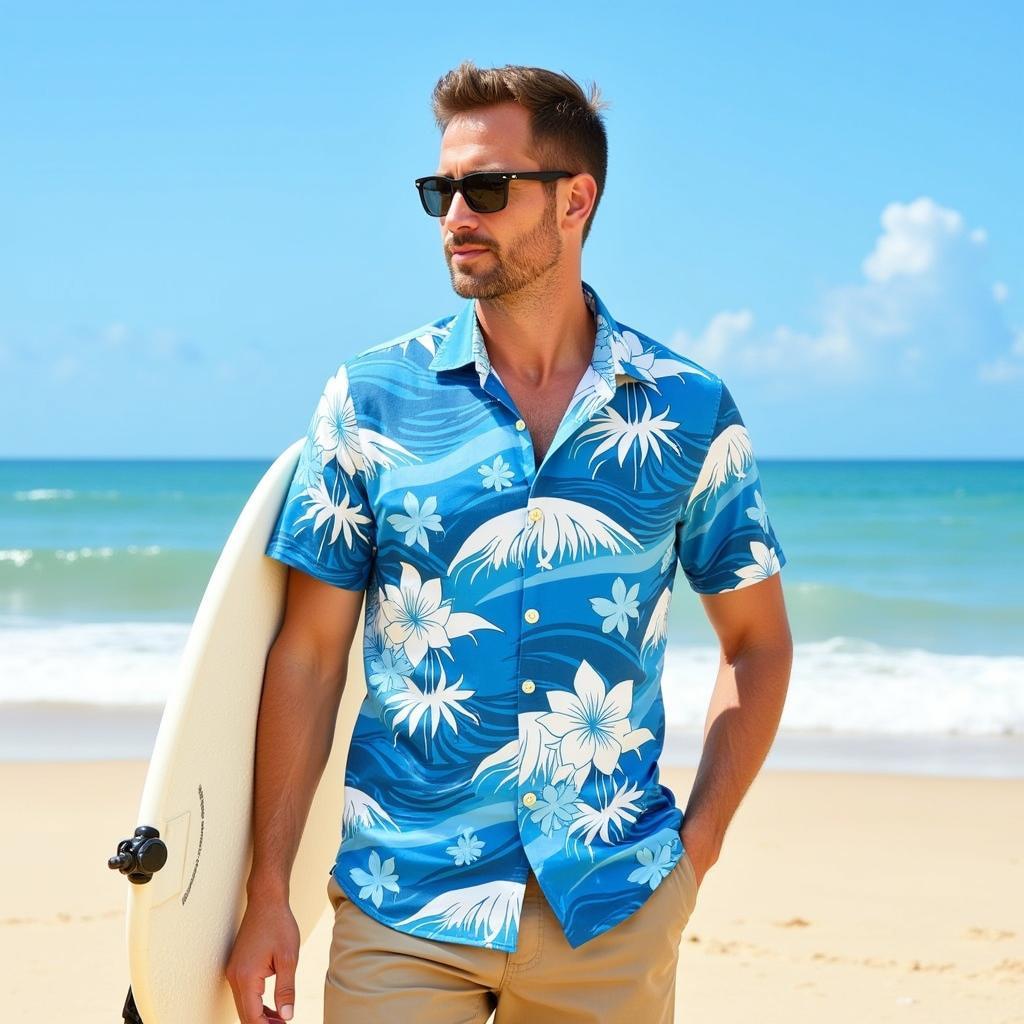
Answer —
182 923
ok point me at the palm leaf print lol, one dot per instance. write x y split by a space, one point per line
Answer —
600 820
433 706
322 509
362 811
567 528
534 752
645 433
729 457
487 910
657 626
378 450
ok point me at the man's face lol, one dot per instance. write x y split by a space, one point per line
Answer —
522 241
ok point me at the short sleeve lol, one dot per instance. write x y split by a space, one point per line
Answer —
725 538
326 526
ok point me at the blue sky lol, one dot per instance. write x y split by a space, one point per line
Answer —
204 212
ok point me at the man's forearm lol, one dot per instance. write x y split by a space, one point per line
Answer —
293 743
743 717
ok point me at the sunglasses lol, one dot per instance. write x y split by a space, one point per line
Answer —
484 191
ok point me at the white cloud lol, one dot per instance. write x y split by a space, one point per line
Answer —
1000 292
923 307
913 240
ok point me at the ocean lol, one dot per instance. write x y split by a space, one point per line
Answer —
904 585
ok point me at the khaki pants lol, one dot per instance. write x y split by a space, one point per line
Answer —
627 974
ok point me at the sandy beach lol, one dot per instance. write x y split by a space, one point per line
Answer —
839 897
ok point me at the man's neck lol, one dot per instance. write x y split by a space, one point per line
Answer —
538 341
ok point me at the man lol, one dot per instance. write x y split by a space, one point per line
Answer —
512 487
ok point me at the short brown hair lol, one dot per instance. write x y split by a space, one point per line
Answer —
567 128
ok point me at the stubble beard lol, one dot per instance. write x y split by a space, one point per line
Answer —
527 258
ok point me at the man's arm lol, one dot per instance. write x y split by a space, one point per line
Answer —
302 686
744 713
303 683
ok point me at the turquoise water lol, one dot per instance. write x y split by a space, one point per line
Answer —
904 585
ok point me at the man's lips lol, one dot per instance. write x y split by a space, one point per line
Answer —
467 254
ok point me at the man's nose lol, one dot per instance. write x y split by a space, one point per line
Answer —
459 214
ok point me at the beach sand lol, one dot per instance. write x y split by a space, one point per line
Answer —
839 897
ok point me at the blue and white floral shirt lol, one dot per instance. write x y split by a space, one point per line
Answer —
516 617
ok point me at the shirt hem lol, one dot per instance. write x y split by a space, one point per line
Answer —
372 911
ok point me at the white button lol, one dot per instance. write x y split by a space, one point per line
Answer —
534 514
529 686
529 799
531 615
520 424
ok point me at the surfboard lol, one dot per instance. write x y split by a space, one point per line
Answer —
188 896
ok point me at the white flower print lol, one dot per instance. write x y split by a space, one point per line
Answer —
418 519
555 807
766 563
340 436
758 511
592 724
337 433
389 669
467 849
377 879
595 820
496 475
619 609
345 516
419 620
309 470
628 348
653 867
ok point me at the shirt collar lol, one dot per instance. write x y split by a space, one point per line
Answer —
615 348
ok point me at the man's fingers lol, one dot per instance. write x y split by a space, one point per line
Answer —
284 988
250 994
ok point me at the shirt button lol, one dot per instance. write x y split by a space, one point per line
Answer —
529 799
529 686
520 424
531 615
534 514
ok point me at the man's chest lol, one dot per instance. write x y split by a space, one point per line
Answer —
542 409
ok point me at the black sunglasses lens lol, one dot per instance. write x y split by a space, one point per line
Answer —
437 196
485 193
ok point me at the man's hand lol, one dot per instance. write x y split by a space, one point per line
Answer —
698 844
267 943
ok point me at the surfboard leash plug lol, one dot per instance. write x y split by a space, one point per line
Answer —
141 856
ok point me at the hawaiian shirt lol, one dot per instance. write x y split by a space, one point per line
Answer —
516 617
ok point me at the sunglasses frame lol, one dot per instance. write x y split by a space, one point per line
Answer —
504 177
